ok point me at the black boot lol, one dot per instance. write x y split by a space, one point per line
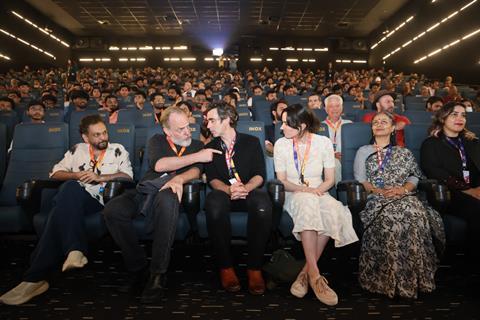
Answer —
136 282
155 289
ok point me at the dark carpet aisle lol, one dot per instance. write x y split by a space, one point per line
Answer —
194 291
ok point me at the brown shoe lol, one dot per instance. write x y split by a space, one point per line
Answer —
323 292
256 284
24 292
229 280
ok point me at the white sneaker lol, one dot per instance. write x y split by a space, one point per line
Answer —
299 287
323 292
24 292
75 260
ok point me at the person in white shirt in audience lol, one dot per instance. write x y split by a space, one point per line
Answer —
334 121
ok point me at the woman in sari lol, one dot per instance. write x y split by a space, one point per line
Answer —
397 255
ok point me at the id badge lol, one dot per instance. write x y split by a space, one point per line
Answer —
379 183
232 181
466 176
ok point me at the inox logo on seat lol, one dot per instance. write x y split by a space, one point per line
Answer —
254 128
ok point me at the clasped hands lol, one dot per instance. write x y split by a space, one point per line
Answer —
316 191
390 192
238 191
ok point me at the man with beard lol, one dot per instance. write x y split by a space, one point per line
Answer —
385 101
158 103
36 111
85 169
79 103
111 105
175 154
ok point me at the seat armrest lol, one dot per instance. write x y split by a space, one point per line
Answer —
27 191
116 187
276 191
356 195
437 194
191 196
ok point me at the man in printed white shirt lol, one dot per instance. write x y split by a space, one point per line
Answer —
334 121
85 169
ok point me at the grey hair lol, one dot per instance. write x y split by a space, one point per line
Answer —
331 97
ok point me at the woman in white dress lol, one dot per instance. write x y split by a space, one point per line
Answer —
301 159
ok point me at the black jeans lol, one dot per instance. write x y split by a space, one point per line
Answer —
119 214
467 207
218 207
64 230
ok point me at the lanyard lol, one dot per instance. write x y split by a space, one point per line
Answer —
229 152
174 148
382 162
301 168
96 163
463 155
461 149
335 128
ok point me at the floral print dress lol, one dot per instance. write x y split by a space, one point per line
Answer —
398 255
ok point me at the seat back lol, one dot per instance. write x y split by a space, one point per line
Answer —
475 128
73 127
292 100
261 111
3 150
10 120
253 128
33 158
473 118
139 118
354 135
414 136
419 117
54 115
243 114
123 134
321 114
143 121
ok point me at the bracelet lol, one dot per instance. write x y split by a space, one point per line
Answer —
405 190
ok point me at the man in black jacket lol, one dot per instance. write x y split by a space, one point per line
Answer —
235 176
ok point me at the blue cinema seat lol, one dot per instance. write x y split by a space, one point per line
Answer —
94 222
36 148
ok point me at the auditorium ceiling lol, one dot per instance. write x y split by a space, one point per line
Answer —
354 18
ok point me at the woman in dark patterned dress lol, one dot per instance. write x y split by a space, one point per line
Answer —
398 255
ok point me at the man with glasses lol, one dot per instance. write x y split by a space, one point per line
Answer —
85 168
179 159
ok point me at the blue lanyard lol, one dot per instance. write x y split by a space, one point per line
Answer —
383 163
461 149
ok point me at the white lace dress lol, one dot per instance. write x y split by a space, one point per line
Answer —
323 214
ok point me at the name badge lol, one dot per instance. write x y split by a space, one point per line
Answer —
466 176
232 181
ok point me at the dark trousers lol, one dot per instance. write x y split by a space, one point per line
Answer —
468 208
64 230
259 207
119 214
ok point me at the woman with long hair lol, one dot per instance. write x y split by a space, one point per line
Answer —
452 156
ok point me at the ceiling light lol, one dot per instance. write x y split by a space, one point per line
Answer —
208 59
189 59
273 49
321 49
180 48
435 25
4 57
255 59
45 30
85 59
28 44
113 48
291 60
401 25
269 59
217 52
445 47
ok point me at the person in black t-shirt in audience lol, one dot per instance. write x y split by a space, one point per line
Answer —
173 153
276 110
235 177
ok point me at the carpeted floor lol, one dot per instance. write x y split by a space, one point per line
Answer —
194 291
